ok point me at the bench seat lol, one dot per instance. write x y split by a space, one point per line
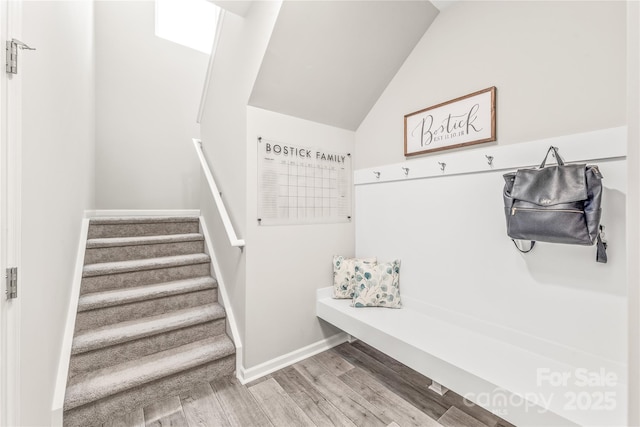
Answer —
519 378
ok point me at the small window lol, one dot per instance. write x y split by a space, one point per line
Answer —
191 23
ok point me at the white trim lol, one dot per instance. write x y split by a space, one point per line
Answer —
57 406
3 314
212 57
442 4
596 145
142 212
222 210
10 357
251 374
223 296
633 209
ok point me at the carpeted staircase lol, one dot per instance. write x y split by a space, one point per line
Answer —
148 322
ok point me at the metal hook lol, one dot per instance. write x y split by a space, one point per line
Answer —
406 171
489 160
442 166
377 174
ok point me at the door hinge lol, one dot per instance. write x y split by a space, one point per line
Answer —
12 282
11 50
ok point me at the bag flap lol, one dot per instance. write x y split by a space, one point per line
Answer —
551 185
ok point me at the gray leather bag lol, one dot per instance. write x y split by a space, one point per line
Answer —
557 204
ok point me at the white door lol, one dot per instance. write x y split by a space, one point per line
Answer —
10 107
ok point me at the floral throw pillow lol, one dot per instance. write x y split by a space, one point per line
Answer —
377 285
344 275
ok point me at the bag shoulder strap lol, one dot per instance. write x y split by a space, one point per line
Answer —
601 254
601 245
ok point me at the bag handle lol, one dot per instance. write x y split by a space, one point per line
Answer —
533 243
556 155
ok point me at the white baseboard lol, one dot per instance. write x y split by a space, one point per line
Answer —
141 212
251 374
65 351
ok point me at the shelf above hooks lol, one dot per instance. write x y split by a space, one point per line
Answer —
576 148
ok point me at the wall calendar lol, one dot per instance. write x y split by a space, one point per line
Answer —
302 185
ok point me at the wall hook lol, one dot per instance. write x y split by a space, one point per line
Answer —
489 160
442 166
406 171
377 174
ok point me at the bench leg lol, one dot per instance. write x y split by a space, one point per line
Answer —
351 339
438 388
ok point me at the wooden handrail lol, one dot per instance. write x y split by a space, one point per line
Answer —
231 233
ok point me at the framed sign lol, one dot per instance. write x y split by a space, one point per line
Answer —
463 121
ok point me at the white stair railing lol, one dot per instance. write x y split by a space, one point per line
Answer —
231 233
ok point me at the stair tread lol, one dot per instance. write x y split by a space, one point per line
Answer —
110 242
104 382
115 297
118 333
117 220
116 267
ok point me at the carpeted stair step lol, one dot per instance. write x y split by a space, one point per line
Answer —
125 341
94 397
128 248
118 267
118 333
89 361
115 297
104 308
134 273
141 226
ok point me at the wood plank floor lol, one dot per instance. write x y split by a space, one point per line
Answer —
349 385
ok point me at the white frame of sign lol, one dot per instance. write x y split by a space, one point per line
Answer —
468 120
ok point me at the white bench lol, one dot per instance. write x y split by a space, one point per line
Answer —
519 378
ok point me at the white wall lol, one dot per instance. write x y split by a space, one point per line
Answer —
286 264
223 133
147 95
559 68
57 183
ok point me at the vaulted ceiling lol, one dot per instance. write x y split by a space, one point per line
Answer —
329 61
